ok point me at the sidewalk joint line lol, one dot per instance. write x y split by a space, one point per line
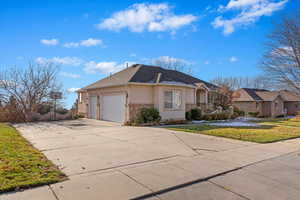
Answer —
187 145
224 188
125 165
145 186
54 194
169 189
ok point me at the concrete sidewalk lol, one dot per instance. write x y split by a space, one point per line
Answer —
114 162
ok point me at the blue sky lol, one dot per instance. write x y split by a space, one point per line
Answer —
90 39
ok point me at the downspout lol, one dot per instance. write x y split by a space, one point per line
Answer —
158 78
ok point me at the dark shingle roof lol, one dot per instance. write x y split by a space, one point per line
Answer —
255 95
148 74
252 93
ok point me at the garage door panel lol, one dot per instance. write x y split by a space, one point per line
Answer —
114 108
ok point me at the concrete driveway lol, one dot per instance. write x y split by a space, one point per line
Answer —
104 160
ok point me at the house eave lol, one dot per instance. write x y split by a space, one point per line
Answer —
137 83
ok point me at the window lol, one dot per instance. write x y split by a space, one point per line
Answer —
172 99
211 97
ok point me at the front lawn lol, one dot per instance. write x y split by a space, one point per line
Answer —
269 131
21 165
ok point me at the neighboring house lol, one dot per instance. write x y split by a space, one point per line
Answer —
120 96
266 103
291 102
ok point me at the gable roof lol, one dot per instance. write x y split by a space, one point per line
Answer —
268 95
289 96
251 94
119 78
148 74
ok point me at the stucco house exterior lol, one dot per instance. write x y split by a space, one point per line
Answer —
291 102
266 103
120 96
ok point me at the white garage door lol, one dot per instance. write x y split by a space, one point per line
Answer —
93 107
113 108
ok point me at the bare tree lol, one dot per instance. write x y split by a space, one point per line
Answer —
234 83
172 63
281 62
28 87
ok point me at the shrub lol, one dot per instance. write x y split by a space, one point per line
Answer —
148 115
44 109
207 117
195 114
216 116
77 116
253 114
235 115
238 111
62 111
188 115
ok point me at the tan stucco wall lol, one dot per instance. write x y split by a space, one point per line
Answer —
279 109
190 96
159 103
140 94
82 107
265 109
292 107
247 106
100 93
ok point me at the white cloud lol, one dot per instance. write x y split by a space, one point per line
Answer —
249 12
72 90
71 44
233 59
91 42
206 62
132 55
93 67
150 17
237 4
69 75
86 43
74 61
51 42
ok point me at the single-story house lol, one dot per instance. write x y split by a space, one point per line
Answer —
291 102
119 96
266 103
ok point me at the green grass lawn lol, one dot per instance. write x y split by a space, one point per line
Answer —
269 131
21 165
